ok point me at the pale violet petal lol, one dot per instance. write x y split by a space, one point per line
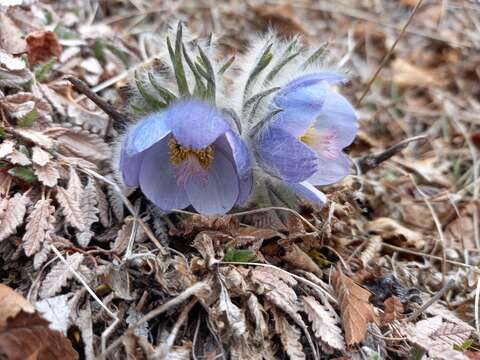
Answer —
309 192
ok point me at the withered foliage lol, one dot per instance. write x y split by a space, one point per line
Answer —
352 280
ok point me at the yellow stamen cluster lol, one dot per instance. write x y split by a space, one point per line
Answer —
179 154
309 136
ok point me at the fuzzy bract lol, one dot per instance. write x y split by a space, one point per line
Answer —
187 155
302 145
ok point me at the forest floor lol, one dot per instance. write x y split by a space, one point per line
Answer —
388 269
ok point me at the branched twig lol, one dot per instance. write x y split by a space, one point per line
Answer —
371 161
83 88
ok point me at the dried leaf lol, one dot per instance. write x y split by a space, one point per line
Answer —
289 336
393 309
11 303
234 316
276 290
88 206
57 311
71 208
48 174
40 156
42 255
437 337
372 250
59 275
257 312
28 336
25 335
18 158
102 206
355 309
299 259
408 74
13 215
35 137
81 143
11 37
388 228
6 148
21 104
39 226
42 46
324 325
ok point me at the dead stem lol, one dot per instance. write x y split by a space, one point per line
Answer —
389 53
433 299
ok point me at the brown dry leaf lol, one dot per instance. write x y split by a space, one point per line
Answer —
393 309
25 335
324 325
11 37
81 143
22 103
29 337
40 156
48 174
11 303
388 228
103 206
300 260
39 226
42 46
234 316
355 309
59 275
289 336
459 234
13 215
407 74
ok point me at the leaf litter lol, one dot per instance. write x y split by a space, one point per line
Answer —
357 278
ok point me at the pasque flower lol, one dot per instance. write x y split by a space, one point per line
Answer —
302 145
187 155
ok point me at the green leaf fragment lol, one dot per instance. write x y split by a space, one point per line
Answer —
166 94
226 66
264 61
200 88
210 74
317 54
177 63
24 173
44 70
28 119
239 255
150 99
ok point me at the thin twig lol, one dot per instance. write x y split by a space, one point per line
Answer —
165 348
82 281
389 53
433 299
371 161
83 88
192 290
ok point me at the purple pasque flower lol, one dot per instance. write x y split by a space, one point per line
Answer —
187 155
302 145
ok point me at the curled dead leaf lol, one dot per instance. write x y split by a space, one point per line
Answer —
390 229
42 46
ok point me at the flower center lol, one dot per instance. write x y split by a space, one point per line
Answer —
179 154
325 142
